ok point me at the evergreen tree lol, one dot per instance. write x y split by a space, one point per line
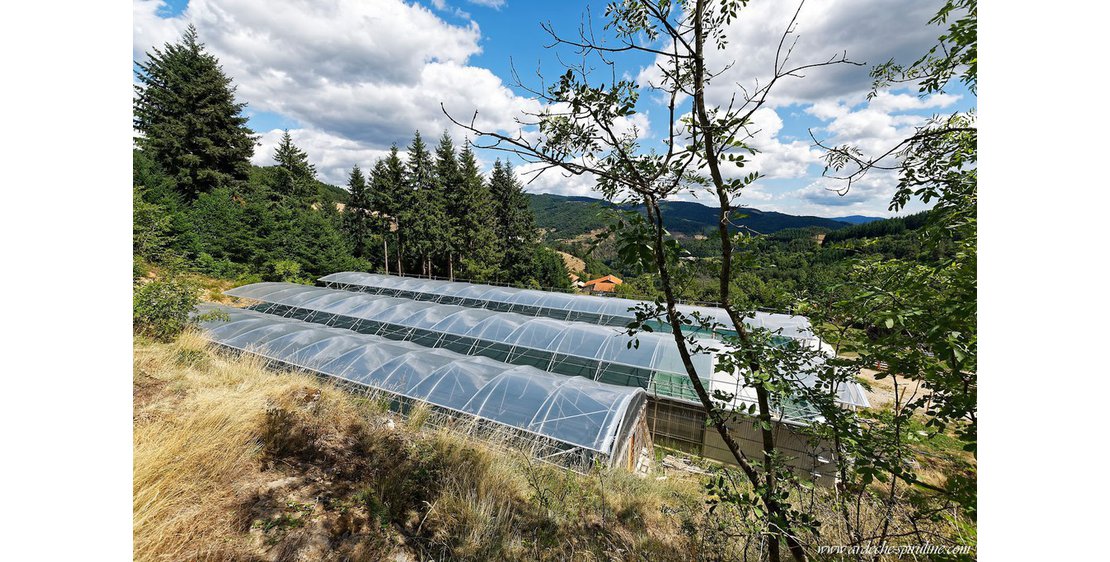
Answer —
423 219
157 188
357 220
150 227
308 237
516 228
297 179
388 196
448 183
188 119
550 270
221 227
476 236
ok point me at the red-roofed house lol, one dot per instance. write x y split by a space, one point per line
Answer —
606 284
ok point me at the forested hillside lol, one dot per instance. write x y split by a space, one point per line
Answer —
792 259
782 269
564 218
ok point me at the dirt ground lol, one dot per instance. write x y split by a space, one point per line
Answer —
881 391
572 263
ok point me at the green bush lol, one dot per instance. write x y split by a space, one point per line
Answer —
288 271
222 268
162 307
139 268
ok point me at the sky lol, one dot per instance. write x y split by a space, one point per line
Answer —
350 78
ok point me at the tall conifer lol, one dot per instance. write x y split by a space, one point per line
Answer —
388 196
188 120
516 225
424 220
448 183
477 237
357 219
298 177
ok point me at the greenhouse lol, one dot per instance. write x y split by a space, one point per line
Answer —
567 419
600 353
608 311
569 348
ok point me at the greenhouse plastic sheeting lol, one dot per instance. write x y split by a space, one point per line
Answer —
612 311
570 410
571 348
600 353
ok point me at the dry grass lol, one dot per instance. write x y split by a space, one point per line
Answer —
232 462
193 441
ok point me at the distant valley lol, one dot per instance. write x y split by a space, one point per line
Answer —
564 218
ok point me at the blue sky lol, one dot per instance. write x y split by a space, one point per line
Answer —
351 77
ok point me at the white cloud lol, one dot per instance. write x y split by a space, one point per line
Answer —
362 72
889 102
776 159
831 193
332 155
488 3
556 181
869 31
443 6
877 126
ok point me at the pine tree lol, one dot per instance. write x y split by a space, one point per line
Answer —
448 183
297 181
388 196
188 119
476 234
357 220
423 219
516 225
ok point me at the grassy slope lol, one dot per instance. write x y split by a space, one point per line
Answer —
235 462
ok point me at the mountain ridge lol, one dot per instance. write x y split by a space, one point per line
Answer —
567 216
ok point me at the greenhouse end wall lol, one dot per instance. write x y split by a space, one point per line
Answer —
683 427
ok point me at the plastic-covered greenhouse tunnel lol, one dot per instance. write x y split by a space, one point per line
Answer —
571 420
594 309
508 326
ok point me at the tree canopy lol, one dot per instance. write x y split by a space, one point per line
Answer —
188 120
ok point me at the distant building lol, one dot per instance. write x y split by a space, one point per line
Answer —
606 284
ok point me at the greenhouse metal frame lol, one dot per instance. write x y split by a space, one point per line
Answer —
573 420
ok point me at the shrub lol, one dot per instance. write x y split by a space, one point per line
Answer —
150 227
139 268
222 268
288 271
162 307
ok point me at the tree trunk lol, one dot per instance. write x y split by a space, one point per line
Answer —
775 511
400 251
385 252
